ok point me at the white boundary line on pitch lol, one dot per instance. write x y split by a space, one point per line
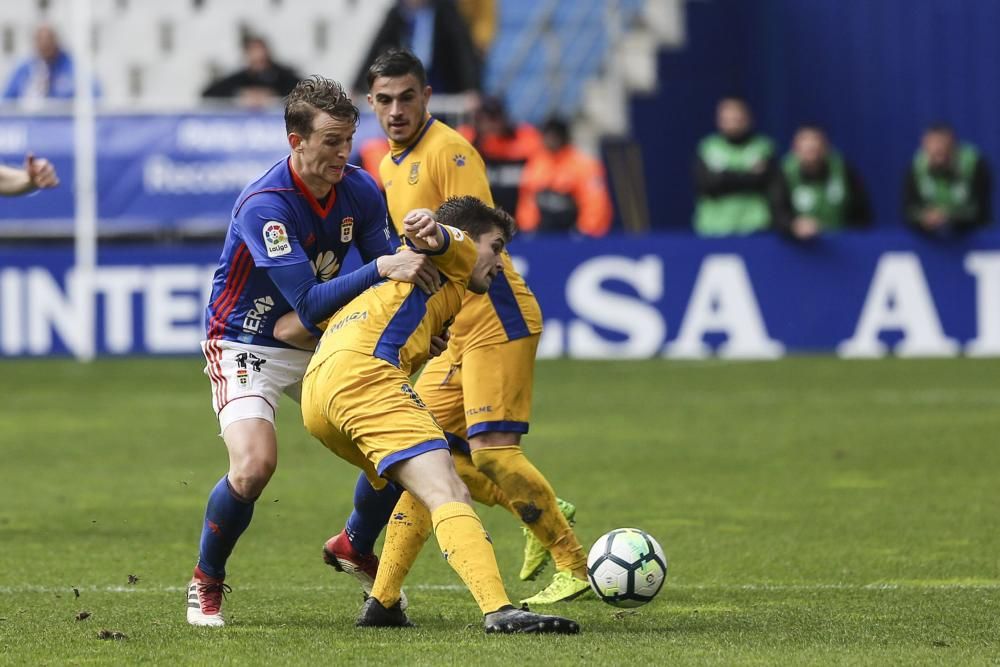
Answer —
887 586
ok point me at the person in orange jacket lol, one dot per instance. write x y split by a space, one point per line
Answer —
506 147
563 189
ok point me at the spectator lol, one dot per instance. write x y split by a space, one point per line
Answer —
38 173
736 175
824 193
505 146
481 17
47 75
948 186
437 34
562 189
261 82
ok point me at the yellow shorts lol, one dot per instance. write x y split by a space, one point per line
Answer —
488 391
365 411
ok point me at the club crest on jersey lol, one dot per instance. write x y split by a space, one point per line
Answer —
459 160
276 239
346 230
414 173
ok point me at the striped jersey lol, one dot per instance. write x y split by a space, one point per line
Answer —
277 222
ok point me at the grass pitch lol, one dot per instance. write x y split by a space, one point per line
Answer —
814 511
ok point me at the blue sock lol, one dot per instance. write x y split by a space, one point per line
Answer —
372 510
226 517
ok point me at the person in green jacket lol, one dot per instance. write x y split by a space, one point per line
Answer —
947 188
736 174
823 193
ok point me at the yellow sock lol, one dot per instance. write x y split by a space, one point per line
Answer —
481 488
408 529
535 501
468 550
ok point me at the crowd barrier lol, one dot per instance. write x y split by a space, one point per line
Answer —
853 295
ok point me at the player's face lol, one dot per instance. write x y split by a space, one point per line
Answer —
321 157
490 246
400 105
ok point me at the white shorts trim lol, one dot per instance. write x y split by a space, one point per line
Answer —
239 371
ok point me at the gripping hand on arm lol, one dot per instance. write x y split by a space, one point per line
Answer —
422 230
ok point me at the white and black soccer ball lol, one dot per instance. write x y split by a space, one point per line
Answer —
626 567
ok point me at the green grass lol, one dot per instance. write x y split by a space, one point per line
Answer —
814 511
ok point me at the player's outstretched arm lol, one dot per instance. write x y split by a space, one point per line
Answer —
422 230
38 173
315 301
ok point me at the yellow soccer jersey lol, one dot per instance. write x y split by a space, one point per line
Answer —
439 164
394 321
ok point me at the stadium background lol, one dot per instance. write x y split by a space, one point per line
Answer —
814 511
640 80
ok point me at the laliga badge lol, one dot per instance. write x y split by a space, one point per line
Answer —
414 173
346 230
276 239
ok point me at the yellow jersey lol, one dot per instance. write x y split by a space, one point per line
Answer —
440 163
394 321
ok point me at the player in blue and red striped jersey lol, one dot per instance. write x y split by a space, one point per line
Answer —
290 231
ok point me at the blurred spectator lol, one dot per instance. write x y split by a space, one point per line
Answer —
481 17
47 75
261 82
824 193
562 189
38 173
506 148
736 175
948 186
437 34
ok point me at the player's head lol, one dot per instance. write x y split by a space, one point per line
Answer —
320 121
810 146
939 145
398 94
733 117
491 228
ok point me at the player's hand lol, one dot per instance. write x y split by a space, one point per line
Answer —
407 266
439 343
41 173
422 229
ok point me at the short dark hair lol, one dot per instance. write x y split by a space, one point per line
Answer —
313 95
558 126
475 216
397 62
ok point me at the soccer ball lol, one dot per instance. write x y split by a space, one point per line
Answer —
626 567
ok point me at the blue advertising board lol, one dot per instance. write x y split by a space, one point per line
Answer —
855 295
154 172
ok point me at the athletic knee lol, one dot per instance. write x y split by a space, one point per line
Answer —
249 478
